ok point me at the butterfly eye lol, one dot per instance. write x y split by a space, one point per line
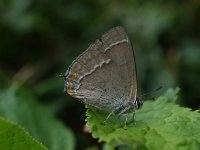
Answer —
138 103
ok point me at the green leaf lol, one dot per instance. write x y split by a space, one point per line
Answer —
14 137
159 124
20 106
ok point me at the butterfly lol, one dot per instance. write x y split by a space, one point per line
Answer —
104 76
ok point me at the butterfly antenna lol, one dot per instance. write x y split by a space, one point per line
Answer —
155 90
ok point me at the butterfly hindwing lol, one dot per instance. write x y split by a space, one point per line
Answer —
104 76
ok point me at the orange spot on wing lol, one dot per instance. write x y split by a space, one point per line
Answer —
73 76
70 91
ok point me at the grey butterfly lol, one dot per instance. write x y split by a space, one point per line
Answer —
104 76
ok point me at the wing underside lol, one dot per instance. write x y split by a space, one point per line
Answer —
104 76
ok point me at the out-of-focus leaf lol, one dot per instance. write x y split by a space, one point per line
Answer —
21 107
14 137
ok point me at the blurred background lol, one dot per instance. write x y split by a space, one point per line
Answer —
40 39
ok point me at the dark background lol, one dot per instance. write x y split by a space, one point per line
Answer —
40 39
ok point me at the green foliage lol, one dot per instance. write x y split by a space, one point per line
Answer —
40 39
21 107
14 137
160 123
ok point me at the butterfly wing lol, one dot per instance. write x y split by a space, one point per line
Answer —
104 76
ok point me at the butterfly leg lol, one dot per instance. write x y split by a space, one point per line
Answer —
134 117
124 110
108 116
126 119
